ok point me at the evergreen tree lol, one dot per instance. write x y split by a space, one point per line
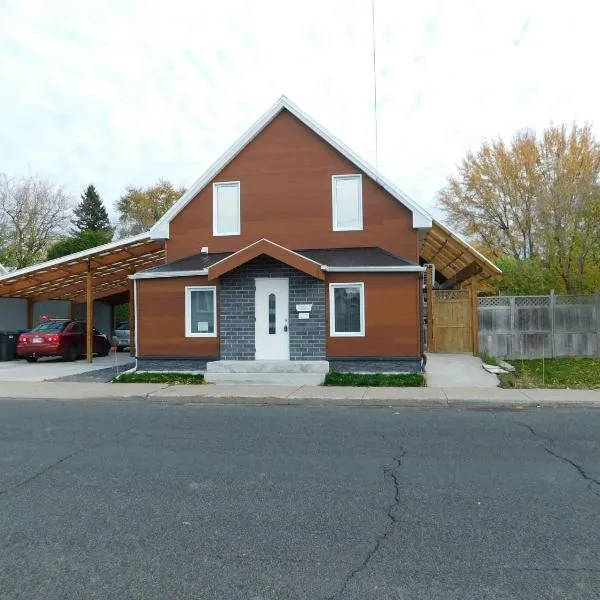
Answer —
90 214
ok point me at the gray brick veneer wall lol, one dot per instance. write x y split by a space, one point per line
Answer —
173 364
380 365
236 308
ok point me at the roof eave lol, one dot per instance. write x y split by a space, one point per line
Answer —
375 269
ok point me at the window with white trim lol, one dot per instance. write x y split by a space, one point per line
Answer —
347 309
226 208
347 202
200 311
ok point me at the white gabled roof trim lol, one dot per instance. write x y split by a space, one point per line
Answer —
142 237
379 269
167 274
421 218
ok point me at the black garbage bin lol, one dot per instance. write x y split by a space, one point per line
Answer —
8 345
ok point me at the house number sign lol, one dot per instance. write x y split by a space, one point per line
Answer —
304 308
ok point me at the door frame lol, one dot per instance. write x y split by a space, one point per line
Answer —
267 280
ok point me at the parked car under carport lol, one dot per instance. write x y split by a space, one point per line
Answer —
121 336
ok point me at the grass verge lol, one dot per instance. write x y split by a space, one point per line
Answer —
375 379
170 378
489 360
583 373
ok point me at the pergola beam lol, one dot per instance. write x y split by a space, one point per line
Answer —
462 275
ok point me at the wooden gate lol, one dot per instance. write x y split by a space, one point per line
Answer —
453 314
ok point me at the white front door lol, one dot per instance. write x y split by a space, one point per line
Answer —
272 336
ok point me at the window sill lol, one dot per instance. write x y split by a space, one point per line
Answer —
352 334
200 335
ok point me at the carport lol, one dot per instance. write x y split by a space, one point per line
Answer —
454 273
100 273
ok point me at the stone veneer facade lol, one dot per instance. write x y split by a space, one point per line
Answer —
236 311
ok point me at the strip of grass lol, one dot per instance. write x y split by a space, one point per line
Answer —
583 373
489 360
170 378
375 379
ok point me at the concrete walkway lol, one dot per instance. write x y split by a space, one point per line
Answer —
457 371
303 395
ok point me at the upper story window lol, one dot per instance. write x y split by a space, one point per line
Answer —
347 202
226 208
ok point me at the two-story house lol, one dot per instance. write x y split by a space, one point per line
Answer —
289 248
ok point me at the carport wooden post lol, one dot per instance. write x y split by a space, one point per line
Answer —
89 338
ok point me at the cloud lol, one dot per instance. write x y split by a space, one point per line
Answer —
126 92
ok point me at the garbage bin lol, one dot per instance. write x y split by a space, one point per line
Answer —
8 345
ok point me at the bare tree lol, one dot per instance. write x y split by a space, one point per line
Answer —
33 213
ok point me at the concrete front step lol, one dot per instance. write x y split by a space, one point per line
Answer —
294 379
258 367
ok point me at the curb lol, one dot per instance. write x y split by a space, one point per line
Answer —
472 404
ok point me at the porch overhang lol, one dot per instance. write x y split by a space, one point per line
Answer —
269 248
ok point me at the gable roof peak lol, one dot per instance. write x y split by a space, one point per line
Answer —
421 218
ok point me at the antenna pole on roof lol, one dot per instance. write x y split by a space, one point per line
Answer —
375 86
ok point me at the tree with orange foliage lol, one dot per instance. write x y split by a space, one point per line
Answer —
535 199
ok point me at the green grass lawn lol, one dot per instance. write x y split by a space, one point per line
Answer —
375 379
554 373
170 378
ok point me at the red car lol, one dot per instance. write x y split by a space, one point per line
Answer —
59 337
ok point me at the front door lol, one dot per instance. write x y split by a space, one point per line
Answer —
272 336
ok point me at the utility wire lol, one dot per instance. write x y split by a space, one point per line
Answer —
375 87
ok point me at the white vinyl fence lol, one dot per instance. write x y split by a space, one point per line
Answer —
539 326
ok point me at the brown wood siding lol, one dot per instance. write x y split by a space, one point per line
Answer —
161 319
391 316
285 180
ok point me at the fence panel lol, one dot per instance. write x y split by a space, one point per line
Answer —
539 326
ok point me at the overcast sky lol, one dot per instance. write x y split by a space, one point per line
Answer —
125 92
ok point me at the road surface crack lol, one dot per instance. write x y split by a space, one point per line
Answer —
592 482
55 464
390 472
43 471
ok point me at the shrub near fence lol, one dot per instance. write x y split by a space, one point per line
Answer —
539 326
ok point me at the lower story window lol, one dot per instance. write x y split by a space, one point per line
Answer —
347 308
200 312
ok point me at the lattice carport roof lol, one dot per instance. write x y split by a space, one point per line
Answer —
65 278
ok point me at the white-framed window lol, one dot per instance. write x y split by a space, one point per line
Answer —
226 208
347 309
347 202
200 311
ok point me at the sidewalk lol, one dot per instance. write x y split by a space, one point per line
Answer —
428 397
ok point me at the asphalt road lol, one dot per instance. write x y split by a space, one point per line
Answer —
131 500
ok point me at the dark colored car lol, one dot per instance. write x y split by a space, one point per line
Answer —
59 337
